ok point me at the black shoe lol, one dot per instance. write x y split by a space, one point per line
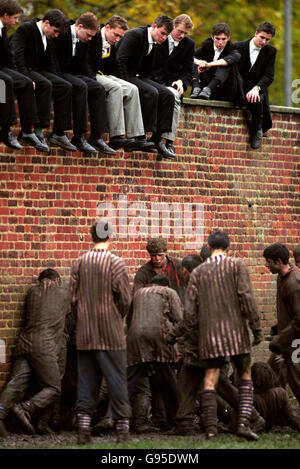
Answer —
24 416
170 147
163 151
245 431
256 139
34 141
62 141
10 140
195 92
100 144
205 93
134 144
82 145
117 142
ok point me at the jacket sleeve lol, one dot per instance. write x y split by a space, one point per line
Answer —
18 45
233 57
126 49
268 75
186 73
246 297
121 288
292 331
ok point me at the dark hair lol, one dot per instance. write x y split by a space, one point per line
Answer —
164 20
156 245
266 27
101 231
220 28
10 7
296 251
50 274
277 251
191 262
218 240
88 21
161 280
263 377
205 252
56 18
116 21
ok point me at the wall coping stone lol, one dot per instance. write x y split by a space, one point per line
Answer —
227 104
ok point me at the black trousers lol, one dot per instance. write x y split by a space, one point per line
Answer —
88 96
227 84
256 111
18 84
157 103
49 86
163 380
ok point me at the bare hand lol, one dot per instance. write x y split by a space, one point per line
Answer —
179 86
253 95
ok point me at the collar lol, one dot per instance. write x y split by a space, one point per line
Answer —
150 40
217 50
171 39
1 25
253 46
73 33
105 43
39 25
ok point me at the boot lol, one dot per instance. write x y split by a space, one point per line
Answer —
245 410
84 428
209 413
24 412
122 428
257 422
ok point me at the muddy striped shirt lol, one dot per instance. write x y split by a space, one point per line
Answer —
101 292
220 294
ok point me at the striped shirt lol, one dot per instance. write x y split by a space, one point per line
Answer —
156 309
101 292
220 294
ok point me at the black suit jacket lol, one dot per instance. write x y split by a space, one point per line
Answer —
108 65
131 54
232 89
27 47
261 74
177 66
206 52
77 65
6 56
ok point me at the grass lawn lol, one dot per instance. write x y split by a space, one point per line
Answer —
288 439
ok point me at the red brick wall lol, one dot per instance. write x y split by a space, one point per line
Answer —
47 203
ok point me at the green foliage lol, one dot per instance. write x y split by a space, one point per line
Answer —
243 17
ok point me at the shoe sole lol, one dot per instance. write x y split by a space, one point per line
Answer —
55 144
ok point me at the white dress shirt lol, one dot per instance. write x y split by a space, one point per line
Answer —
1 27
217 53
44 37
172 44
74 39
105 43
150 41
253 52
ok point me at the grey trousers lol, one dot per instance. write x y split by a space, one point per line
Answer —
123 106
176 116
